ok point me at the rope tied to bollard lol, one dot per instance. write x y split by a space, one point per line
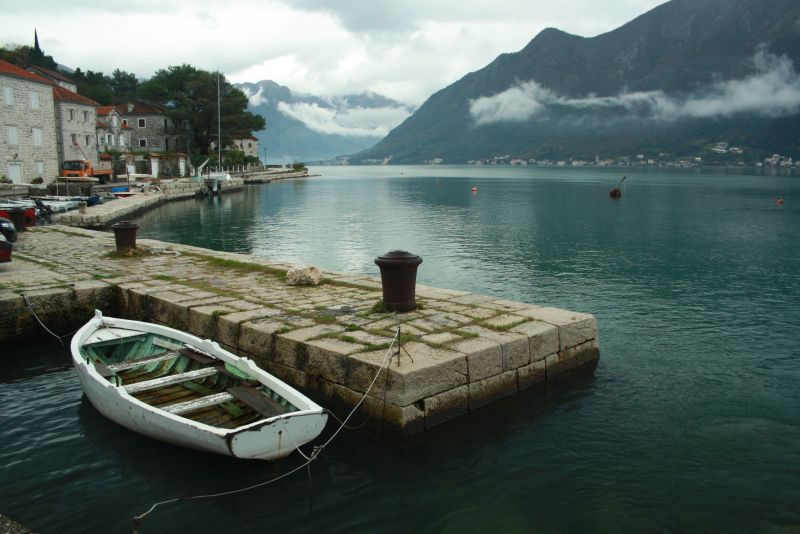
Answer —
315 451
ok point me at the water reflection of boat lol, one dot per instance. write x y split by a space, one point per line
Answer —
178 388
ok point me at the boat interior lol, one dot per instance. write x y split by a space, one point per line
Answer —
181 379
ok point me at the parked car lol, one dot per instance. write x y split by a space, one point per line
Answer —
5 249
8 229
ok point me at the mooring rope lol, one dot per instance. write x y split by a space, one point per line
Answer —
316 451
30 308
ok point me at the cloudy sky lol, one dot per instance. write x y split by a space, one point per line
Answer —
403 49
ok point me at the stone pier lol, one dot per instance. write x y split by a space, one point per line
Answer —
460 350
103 215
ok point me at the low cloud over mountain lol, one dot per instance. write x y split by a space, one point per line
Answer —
772 91
304 127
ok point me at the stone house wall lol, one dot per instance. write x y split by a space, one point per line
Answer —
34 151
76 123
157 131
112 136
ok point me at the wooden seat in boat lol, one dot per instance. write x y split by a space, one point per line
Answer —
180 408
169 380
258 401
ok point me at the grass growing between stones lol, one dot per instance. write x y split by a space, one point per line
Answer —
49 265
499 328
239 265
138 252
378 307
67 232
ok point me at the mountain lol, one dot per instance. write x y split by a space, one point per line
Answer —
307 128
685 75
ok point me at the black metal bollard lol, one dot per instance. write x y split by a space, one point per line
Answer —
125 235
399 280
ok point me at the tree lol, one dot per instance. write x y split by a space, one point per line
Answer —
190 94
27 56
124 84
94 85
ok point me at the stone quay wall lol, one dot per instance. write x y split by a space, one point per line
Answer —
103 215
460 350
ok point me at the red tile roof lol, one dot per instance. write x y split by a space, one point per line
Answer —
59 93
51 74
140 108
105 110
102 124
12 70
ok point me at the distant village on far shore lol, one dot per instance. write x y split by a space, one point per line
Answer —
720 154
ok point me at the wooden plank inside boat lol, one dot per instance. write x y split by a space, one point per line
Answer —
170 380
198 356
130 364
196 404
258 401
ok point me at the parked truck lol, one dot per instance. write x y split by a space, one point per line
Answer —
83 167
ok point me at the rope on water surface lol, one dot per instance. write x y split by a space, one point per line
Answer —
315 452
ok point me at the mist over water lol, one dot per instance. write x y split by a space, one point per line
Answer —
690 422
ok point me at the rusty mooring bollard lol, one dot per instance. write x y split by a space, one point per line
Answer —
399 280
125 235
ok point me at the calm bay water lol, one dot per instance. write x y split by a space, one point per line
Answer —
691 421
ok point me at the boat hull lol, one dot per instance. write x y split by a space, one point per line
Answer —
267 439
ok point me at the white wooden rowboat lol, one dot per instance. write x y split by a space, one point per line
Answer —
184 390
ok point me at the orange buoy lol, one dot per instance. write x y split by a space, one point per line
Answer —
615 193
474 189
779 202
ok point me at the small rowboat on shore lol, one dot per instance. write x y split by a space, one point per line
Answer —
184 390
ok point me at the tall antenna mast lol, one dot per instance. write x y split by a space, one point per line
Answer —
219 124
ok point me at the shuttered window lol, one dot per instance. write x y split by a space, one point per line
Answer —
34 100
11 135
37 136
8 95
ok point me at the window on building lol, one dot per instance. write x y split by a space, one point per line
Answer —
11 135
86 118
40 168
142 123
109 140
88 140
166 145
142 142
8 95
15 172
124 122
165 124
37 136
71 114
249 145
121 140
34 100
113 120
74 139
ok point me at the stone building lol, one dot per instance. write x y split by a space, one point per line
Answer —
76 125
28 147
112 130
151 129
248 145
56 77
